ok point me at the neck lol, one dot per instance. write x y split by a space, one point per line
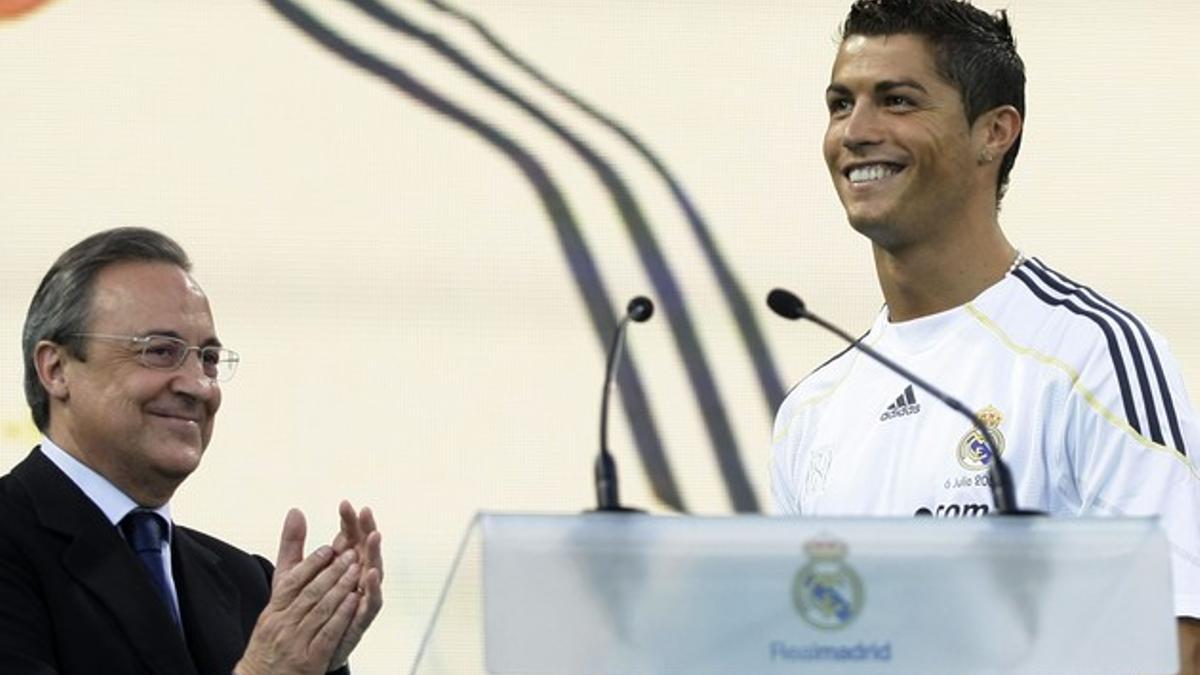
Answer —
150 493
930 277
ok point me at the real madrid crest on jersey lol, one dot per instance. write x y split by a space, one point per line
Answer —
827 592
973 451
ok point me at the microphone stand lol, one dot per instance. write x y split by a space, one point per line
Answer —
607 499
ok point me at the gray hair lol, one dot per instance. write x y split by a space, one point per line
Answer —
62 304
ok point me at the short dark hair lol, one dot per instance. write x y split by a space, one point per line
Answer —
62 305
973 50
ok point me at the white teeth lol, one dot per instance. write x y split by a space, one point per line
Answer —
864 174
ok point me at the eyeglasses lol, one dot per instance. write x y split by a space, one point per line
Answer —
163 352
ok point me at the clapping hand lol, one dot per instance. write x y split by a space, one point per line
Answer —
320 605
359 534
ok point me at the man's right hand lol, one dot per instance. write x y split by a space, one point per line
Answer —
312 602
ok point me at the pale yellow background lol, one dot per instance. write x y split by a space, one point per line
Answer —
410 335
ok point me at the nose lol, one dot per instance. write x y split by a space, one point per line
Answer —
190 379
861 128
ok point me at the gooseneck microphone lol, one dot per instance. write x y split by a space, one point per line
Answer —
786 304
639 309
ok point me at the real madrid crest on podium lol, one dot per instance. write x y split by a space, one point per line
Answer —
827 592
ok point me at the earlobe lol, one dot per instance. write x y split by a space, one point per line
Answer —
49 359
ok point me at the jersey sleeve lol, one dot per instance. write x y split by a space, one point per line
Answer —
1123 464
785 448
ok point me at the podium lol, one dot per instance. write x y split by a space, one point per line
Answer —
627 594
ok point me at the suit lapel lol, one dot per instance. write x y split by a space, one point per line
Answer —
98 558
209 603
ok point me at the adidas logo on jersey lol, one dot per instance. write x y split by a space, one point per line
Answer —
905 404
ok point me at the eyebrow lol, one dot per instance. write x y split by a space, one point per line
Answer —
888 85
210 342
880 87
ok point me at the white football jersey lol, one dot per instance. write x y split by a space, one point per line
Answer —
1086 403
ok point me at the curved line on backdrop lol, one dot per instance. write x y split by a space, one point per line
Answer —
760 353
579 259
703 384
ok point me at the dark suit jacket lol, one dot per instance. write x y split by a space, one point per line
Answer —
75 600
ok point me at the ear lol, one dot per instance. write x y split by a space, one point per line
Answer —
995 131
50 360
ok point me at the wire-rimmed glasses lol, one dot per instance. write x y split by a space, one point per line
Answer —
165 352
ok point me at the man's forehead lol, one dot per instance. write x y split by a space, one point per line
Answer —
854 44
874 58
147 276
138 291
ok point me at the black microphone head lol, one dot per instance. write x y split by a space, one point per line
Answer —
640 308
785 304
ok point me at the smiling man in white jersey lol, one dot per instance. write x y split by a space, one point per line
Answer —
926 105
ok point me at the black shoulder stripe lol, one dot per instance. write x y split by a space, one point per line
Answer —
1156 364
1135 352
1113 349
828 361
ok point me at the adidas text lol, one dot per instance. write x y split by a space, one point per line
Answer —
900 412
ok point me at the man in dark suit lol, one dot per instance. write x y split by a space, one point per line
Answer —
122 372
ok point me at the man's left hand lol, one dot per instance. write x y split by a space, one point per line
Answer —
358 531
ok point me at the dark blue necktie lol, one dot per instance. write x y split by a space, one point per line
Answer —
146 531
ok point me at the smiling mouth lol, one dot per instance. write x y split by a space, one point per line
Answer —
177 418
870 173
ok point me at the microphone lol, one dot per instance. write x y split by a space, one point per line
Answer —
786 304
639 309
